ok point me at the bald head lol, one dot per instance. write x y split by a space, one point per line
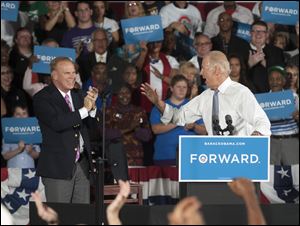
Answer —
219 59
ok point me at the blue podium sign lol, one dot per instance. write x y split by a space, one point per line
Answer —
223 158
26 129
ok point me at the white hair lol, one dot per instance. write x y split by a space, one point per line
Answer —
217 58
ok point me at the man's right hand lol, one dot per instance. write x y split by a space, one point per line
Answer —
150 93
152 96
88 103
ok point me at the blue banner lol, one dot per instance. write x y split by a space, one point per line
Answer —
223 158
148 29
277 105
243 31
280 12
26 129
47 54
9 10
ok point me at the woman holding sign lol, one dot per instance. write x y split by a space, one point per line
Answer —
20 155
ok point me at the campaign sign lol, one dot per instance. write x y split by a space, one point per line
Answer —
26 129
281 12
277 105
47 54
148 28
223 158
243 31
185 45
9 10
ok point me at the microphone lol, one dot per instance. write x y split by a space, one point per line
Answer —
216 126
230 127
107 89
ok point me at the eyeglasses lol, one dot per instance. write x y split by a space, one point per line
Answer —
259 32
202 44
132 4
289 74
99 40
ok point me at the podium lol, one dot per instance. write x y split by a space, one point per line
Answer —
207 163
215 193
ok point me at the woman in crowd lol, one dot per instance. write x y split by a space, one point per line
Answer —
158 69
57 21
133 79
238 71
129 124
131 53
101 21
20 155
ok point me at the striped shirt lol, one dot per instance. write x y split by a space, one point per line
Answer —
287 126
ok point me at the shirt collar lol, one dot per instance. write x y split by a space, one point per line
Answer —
104 55
254 47
64 94
222 88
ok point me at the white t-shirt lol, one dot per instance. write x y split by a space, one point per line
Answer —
241 14
110 26
190 17
155 82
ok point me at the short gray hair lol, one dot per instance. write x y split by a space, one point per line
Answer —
57 60
217 58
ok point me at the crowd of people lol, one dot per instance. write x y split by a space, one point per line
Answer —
68 102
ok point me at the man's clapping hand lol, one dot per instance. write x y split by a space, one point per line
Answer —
90 99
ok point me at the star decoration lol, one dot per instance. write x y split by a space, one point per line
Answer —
23 194
283 173
30 174
8 206
286 192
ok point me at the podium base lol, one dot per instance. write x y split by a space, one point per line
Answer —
217 193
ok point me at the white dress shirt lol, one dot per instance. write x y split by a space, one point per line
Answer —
101 57
235 100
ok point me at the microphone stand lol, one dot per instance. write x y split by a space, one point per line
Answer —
100 171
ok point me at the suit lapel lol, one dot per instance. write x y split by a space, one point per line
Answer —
58 98
76 99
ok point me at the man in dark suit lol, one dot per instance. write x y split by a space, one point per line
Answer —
61 110
100 53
